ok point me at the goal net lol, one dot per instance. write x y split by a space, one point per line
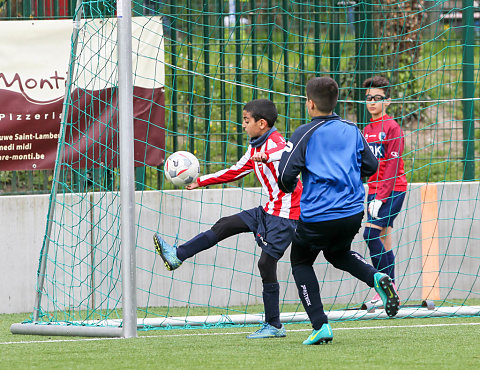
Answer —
195 65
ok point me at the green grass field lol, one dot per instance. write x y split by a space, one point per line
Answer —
446 343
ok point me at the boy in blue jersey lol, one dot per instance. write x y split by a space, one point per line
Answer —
332 156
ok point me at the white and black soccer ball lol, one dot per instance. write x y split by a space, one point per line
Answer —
182 168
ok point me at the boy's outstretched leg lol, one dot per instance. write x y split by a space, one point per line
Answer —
173 256
355 264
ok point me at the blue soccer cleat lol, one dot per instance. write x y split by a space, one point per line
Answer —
268 331
323 335
386 291
167 252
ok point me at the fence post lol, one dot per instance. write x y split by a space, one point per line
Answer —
221 50
468 91
206 80
173 56
238 78
334 43
27 9
191 79
364 51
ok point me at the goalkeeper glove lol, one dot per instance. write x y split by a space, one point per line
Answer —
374 207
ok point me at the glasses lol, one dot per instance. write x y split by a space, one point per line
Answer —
375 97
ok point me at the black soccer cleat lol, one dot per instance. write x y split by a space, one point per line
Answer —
384 287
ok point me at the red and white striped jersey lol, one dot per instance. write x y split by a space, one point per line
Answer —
286 205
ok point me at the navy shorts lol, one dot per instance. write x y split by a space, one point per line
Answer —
272 233
388 211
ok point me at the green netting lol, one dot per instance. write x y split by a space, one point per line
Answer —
216 56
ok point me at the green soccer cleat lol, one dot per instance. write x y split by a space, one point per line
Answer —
386 291
167 252
268 331
323 335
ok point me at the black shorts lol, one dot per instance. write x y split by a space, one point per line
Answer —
272 233
332 236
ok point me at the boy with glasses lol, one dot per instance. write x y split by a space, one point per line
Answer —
387 187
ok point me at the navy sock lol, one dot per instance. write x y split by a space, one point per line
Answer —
271 294
377 250
309 292
199 243
391 265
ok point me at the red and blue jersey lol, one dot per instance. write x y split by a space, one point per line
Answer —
279 203
386 140
332 156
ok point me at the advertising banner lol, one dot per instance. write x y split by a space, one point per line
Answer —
34 58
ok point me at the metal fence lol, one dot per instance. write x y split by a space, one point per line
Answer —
266 48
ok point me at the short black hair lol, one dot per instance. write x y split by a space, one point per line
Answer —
378 82
262 108
323 91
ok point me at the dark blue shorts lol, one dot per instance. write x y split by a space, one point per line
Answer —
388 211
272 233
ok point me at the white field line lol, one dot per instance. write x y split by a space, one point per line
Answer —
235 333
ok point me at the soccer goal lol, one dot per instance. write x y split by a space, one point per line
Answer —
194 65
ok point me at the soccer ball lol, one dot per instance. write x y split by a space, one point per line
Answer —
182 168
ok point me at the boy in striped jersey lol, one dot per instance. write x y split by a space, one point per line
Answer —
272 224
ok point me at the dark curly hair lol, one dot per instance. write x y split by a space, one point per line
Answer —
262 108
378 82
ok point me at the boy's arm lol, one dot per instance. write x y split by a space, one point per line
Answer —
242 168
272 154
393 154
292 161
275 154
369 161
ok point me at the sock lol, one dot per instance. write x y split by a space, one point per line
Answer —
199 243
391 265
309 292
377 250
271 294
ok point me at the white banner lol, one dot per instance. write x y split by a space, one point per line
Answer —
34 57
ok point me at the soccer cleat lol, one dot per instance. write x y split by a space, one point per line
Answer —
384 287
268 331
323 335
167 252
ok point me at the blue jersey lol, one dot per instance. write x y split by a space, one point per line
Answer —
332 155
